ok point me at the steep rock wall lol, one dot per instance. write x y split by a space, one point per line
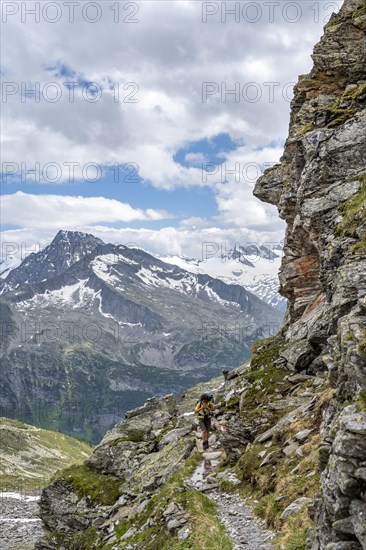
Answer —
319 188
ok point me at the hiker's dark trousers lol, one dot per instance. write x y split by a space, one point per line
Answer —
205 423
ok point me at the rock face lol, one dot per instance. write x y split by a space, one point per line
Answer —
320 190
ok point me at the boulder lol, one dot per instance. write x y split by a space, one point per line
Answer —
271 458
290 450
302 436
155 468
358 519
295 507
173 435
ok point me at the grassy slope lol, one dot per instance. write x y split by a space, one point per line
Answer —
29 456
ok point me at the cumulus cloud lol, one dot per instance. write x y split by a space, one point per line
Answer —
237 176
190 241
62 211
173 77
161 63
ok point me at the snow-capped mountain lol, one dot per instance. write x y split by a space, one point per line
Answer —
66 248
105 326
253 267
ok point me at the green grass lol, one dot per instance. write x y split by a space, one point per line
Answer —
227 486
30 456
207 530
137 436
354 215
346 106
85 540
264 374
361 401
346 19
266 351
339 114
359 12
205 526
297 540
294 537
264 485
86 482
361 346
233 403
357 92
360 246
268 508
305 129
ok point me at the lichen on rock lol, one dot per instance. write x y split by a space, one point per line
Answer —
319 190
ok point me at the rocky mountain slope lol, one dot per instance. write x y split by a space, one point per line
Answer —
66 248
147 484
255 267
98 328
320 190
291 424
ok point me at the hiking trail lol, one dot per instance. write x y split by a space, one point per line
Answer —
244 529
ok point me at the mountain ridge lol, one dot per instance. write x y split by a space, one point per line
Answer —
114 315
227 265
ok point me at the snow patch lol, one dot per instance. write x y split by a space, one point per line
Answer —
78 294
17 496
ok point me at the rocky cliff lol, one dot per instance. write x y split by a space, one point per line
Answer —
291 424
320 190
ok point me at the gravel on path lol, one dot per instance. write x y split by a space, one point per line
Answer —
245 530
20 524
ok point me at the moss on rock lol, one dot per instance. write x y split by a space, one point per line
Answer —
354 216
86 482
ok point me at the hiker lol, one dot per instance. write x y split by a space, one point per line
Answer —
204 409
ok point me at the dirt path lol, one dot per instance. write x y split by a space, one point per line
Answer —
244 529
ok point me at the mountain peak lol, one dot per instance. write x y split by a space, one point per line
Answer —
68 236
66 248
66 233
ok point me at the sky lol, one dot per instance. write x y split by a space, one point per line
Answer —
148 122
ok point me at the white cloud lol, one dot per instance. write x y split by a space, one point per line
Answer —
65 212
234 182
195 158
168 53
188 241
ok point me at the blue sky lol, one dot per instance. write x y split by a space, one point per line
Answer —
138 97
126 185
